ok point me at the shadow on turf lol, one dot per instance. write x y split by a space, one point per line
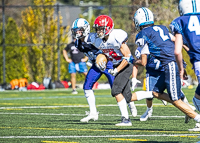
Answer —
81 123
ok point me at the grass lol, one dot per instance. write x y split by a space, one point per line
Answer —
53 116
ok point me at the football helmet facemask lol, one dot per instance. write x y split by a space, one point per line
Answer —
104 23
82 25
143 16
189 7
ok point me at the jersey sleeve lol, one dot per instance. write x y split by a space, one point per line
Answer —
138 52
175 27
140 39
90 39
145 49
121 37
67 48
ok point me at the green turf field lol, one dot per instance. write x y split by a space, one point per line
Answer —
53 116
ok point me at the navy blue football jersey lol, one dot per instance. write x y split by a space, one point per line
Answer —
87 48
189 27
159 43
153 65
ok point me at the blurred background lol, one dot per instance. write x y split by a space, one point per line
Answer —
33 33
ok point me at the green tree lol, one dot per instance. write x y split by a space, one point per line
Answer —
40 28
15 67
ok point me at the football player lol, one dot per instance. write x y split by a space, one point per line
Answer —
85 39
113 44
156 41
153 71
186 29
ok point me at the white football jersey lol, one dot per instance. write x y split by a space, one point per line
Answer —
111 47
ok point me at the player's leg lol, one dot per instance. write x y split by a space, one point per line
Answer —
83 68
122 93
73 82
184 99
111 79
72 71
173 84
174 89
93 75
150 82
196 98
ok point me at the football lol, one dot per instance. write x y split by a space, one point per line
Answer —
101 61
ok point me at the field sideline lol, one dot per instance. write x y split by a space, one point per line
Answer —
53 116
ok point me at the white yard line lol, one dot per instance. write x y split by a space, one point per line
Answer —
63 106
107 136
61 114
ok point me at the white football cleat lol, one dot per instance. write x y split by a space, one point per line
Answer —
196 128
147 114
132 108
90 116
124 122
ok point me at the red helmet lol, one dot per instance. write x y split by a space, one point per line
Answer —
104 22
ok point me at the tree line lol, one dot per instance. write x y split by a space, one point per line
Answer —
39 26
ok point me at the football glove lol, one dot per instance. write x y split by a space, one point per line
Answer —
134 82
113 72
89 63
101 65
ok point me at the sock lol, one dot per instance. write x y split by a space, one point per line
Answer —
197 118
123 108
143 94
149 108
89 94
185 100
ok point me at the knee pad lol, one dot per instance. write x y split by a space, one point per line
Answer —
88 93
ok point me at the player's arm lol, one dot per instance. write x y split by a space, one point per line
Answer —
84 59
126 56
65 54
135 71
142 61
173 39
178 53
186 48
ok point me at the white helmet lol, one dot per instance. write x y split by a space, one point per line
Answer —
189 7
143 16
82 25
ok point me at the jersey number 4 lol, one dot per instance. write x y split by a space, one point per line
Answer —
161 32
194 25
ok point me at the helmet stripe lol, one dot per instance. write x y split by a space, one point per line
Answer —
75 23
194 5
146 13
